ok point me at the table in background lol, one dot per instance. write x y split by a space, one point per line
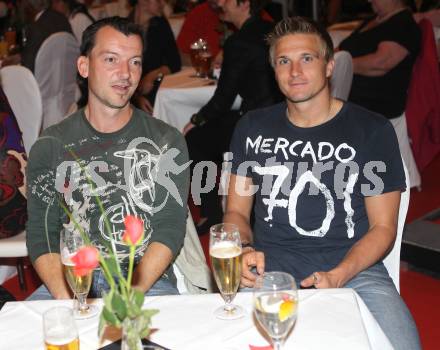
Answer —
327 318
181 95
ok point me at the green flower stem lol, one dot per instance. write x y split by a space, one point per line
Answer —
130 266
106 271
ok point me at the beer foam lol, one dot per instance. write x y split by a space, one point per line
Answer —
223 250
58 336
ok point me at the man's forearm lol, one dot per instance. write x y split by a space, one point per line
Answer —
50 271
153 264
365 253
243 225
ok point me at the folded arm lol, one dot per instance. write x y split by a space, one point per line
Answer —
387 56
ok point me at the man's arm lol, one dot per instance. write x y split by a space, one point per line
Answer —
153 264
238 211
382 212
50 270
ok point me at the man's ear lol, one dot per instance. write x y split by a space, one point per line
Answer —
329 68
83 66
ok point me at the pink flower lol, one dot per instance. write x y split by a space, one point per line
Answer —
134 230
85 260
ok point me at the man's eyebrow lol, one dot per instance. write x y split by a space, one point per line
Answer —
105 52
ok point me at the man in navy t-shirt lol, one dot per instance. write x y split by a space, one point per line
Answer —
323 178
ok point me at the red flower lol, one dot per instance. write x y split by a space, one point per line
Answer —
134 230
85 260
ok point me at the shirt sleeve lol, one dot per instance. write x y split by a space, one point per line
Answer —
235 62
44 211
161 49
383 166
404 31
169 223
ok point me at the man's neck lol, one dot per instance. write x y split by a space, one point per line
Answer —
314 112
238 23
107 120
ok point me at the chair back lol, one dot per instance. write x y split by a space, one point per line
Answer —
24 96
192 272
392 260
340 81
55 72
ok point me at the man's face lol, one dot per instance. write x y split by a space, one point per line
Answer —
153 7
230 9
300 68
113 68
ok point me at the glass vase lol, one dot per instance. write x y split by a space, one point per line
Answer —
131 339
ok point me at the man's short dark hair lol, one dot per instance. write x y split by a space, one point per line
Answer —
300 25
122 25
255 6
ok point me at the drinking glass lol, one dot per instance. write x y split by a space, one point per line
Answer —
196 48
225 253
276 305
59 329
70 242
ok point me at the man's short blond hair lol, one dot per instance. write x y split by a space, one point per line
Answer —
300 25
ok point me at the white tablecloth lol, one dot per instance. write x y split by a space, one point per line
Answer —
330 319
181 95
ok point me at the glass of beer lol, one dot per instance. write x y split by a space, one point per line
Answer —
70 242
205 60
276 305
59 329
225 253
195 49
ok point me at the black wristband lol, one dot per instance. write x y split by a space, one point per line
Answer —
197 119
247 245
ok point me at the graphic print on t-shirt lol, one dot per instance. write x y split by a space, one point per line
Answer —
303 151
131 181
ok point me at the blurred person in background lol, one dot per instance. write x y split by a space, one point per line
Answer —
77 13
384 49
203 22
245 72
43 19
161 56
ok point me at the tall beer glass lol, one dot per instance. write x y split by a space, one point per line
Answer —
225 253
70 242
60 332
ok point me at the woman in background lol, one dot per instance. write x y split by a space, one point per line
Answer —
384 49
160 56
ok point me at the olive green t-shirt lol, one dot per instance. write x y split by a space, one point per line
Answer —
141 170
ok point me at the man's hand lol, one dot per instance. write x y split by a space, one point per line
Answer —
188 127
249 261
321 280
143 103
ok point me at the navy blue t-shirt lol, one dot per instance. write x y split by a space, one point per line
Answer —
309 205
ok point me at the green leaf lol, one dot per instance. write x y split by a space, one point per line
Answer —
102 325
110 317
112 265
138 297
119 306
107 297
148 313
